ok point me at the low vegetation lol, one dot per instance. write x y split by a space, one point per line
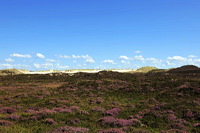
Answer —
146 69
104 102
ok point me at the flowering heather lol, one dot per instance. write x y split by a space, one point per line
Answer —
120 102
99 81
74 108
186 85
74 121
33 108
46 93
5 123
45 111
157 107
112 112
98 109
21 95
68 129
19 107
34 118
99 88
169 112
59 130
196 125
13 117
144 111
77 130
52 102
174 131
8 110
30 111
124 122
53 99
183 121
197 102
107 120
154 113
83 112
189 114
130 106
152 101
197 90
115 103
137 116
64 107
91 101
40 97
171 117
63 101
50 121
91 94
42 113
62 110
111 130
99 100
178 126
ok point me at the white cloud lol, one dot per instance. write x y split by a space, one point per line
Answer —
168 63
9 60
81 57
20 55
75 57
64 56
192 56
109 61
17 66
139 58
177 58
138 52
45 65
48 65
197 60
154 60
125 62
37 65
59 66
151 59
84 60
87 58
51 60
6 66
40 56
89 61
124 58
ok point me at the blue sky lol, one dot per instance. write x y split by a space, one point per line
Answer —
80 34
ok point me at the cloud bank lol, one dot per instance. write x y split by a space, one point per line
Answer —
41 56
25 61
9 60
20 55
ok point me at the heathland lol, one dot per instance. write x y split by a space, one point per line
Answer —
139 101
